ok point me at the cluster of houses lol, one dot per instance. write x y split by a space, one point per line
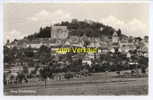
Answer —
60 38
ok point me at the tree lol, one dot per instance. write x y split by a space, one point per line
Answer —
25 71
68 75
44 54
45 73
77 28
143 62
119 32
130 39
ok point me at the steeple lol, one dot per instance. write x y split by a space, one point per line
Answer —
115 37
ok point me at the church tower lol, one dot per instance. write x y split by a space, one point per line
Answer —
115 38
115 42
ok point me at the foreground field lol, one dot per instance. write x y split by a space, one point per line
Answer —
97 84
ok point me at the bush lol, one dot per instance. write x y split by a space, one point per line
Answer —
68 75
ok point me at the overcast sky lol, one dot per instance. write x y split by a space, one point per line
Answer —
23 19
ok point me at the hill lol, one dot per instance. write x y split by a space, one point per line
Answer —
78 28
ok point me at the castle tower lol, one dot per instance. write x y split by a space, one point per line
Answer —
59 32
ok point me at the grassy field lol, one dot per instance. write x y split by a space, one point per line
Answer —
97 84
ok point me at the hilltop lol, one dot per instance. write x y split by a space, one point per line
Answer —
78 28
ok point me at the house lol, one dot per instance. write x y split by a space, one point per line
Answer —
12 44
35 45
126 46
22 43
74 41
86 60
95 43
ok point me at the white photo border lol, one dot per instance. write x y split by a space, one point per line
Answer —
150 95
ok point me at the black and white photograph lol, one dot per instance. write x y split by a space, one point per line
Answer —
73 49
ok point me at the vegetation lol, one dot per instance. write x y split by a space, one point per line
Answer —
78 28
47 64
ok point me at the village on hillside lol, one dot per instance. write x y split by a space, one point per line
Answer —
35 58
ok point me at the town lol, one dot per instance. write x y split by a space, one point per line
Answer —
35 57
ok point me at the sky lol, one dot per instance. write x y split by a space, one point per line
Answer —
22 19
